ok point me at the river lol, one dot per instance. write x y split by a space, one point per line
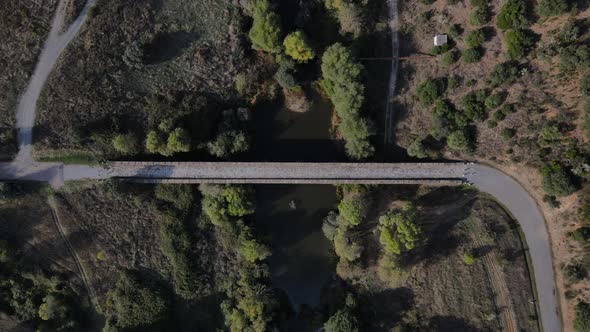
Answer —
291 215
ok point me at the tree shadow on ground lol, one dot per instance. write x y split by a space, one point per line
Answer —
384 310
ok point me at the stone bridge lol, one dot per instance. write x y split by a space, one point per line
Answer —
243 172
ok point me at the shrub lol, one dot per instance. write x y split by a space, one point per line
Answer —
503 73
480 16
574 56
131 305
551 201
453 82
494 101
455 31
581 234
350 15
155 143
507 133
575 272
265 33
344 320
557 180
551 7
475 39
345 247
582 317
512 15
459 141
478 3
180 196
297 47
417 149
449 58
284 75
342 82
467 258
241 84
498 116
492 124
239 200
125 144
586 119
438 50
518 43
507 109
585 85
471 55
430 90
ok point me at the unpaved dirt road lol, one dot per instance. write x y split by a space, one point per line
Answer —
54 45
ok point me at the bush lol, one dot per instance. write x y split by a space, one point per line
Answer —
494 101
297 47
480 16
417 149
518 43
507 109
586 119
575 272
155 143
455 31
585 85
582 317
551 201
265 33
507 133
498 116
574 57
503 73
342 82
430 90
284 75
467 258
125 144
460 141
130 305
180 196
229 143
472 55
475 39
353 209
240 200
581 234
438 50
492 124
449 58
557 180
512 15
551 7
478 3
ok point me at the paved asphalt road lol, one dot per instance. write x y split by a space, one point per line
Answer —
524 209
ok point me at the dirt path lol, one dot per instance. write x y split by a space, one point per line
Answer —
394 25
83 275
54 45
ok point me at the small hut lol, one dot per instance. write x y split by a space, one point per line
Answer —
440 40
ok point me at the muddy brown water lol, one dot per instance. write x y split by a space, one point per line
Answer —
291 215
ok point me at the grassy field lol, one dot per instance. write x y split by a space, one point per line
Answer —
436 286
24 26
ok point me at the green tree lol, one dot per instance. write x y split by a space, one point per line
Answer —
551 7
557 180
585 85
229 143
53 308
471 55
345 247
480 16
265 33
504 73
179 141
155 143
512 15
417 149
430 90
342 82
399 231
297 47
343 320
239 200
475 39
130 304
518 43
179 195
459 141
353 208
125 143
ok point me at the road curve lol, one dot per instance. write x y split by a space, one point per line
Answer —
56 42
525 210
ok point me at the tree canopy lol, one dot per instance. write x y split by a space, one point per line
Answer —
399 231
297 47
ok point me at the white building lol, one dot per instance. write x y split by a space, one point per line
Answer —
440 40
